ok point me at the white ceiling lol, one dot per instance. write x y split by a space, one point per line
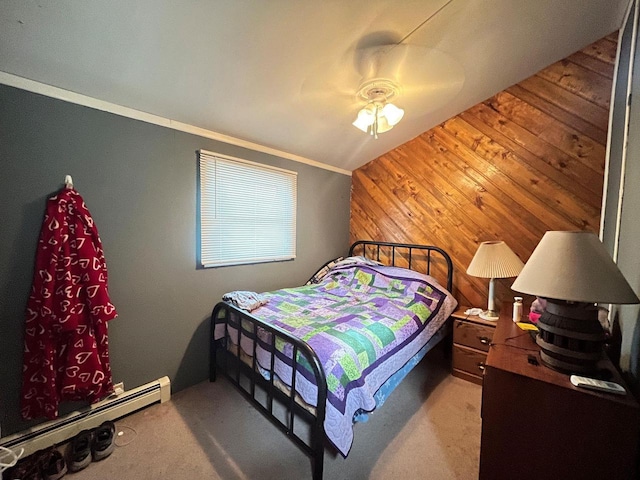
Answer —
280 73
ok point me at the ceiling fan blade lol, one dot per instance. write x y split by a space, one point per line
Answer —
408 65
426 98
335 76
426 78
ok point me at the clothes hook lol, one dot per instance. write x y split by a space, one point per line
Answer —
68 181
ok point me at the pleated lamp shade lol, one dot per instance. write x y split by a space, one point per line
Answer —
495 259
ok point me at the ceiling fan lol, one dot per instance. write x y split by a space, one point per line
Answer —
419 79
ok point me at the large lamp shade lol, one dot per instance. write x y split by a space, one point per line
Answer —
573 271
574 266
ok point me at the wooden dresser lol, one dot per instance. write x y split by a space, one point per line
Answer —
471 338
537 425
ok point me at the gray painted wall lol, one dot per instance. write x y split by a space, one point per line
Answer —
629 242
624 170
616 143
139 182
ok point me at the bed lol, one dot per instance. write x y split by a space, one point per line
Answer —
317 358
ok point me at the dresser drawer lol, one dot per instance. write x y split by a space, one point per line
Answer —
469 361
472 335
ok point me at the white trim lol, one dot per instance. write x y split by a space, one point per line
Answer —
90 102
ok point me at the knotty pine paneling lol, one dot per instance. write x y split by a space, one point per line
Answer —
527 160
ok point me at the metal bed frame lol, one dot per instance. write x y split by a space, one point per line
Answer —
246 377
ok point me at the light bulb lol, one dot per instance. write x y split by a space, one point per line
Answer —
392 113
365 119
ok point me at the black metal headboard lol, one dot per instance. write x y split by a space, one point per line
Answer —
372 249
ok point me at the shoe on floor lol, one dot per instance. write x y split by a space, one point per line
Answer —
46 464
53 465
103 440
80 451
26 469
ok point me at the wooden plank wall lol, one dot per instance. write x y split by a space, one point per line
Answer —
527 160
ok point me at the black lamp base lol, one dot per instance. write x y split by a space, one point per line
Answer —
570 337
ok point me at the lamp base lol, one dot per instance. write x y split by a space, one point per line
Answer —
490 315
570 337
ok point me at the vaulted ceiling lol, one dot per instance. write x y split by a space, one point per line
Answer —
284 73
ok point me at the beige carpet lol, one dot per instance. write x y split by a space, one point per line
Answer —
429 428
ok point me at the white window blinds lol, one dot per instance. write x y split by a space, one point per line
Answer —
247 211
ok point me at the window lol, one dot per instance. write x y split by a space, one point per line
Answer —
247 211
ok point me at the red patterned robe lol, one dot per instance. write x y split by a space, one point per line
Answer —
66 355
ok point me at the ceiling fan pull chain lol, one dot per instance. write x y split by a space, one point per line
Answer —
375 122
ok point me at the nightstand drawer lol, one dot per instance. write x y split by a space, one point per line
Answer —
468 360
472 335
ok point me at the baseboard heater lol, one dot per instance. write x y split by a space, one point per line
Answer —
56 431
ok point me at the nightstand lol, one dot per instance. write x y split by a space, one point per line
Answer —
471 339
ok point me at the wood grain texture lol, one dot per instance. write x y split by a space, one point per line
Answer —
527 160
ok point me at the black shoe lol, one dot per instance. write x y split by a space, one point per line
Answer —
53 465
26 469
103 441
80 451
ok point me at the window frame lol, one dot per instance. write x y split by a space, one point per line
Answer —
206 194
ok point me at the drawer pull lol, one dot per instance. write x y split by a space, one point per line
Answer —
481 366
484 340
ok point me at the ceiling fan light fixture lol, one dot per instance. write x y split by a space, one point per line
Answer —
379 115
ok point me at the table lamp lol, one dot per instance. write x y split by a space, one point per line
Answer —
494 259
573 272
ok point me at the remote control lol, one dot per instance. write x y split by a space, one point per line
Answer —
600 385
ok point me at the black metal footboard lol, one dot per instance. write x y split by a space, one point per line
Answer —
241 368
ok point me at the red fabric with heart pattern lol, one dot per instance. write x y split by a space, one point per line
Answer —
66 354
